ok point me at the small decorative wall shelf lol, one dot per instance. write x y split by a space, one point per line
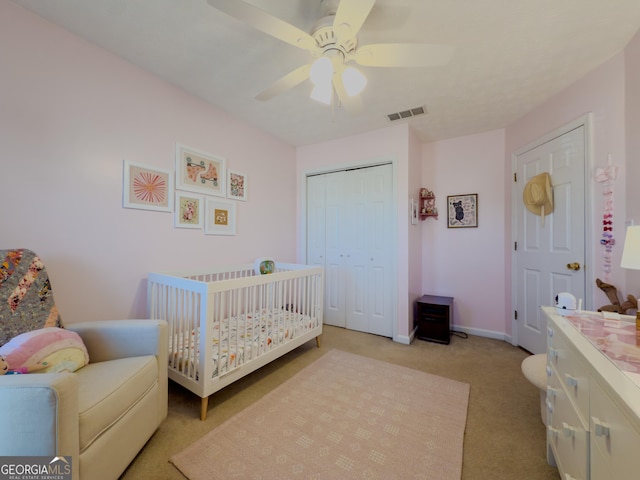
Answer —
427 204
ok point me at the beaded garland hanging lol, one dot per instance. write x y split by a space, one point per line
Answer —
606 176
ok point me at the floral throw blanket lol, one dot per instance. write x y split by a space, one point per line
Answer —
26 299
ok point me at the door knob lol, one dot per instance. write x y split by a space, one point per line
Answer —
573 266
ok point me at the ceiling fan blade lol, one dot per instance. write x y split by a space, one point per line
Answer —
353 105
350 16
287 82
261 20
402 55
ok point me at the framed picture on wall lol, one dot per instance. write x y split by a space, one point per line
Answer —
189 210
462 211
236 185
200 172
220 217
146 187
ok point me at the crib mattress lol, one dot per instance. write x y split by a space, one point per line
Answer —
238 339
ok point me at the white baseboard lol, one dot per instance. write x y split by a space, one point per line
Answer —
406 340
483 333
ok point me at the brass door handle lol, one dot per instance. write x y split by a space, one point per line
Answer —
573 266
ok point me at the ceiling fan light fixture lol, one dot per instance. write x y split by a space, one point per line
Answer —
321 71
354 81
322 93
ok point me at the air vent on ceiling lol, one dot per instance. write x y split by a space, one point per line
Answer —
412 112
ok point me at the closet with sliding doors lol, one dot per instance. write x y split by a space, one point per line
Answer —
350 232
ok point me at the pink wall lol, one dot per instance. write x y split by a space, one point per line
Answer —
601 92
632 105
415 231
467 263
388 144
70 113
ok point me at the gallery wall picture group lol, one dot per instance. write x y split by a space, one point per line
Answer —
462 211
199 176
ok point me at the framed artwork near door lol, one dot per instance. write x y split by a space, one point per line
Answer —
462 210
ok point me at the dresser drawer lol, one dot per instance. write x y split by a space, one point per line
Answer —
571 370
614 437
599 467
567 434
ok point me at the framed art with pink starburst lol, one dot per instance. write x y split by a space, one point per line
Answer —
147 188
200 172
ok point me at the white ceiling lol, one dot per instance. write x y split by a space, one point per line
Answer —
510 55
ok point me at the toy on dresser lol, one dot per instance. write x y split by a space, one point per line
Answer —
612 294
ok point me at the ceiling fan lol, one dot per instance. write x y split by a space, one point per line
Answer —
333 45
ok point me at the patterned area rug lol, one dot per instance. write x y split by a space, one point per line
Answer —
344 416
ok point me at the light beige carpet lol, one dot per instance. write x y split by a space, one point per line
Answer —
344 416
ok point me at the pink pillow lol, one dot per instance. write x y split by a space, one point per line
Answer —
49 349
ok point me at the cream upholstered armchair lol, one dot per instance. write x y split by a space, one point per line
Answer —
103 413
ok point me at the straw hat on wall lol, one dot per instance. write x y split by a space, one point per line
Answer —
538 195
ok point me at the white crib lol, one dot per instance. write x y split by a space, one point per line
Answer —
227 322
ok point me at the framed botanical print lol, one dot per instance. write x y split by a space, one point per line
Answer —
462 211
146 187
236 185
200 172
189 210
220 217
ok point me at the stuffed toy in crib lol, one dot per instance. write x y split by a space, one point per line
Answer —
45 350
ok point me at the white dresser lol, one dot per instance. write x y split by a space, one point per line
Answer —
593 396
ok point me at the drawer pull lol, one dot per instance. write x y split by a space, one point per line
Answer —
568 430
602 429
551 392
553 433
571 381
553 354
549 371
550 332
549 406
569 477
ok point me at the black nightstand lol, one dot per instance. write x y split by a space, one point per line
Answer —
434 315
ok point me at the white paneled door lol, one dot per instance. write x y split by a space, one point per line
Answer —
550 254
349 232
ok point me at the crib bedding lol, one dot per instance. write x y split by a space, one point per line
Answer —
238 339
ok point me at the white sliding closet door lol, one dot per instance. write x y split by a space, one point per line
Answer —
355 227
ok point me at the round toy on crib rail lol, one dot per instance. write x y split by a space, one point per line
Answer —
264 266
565 303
